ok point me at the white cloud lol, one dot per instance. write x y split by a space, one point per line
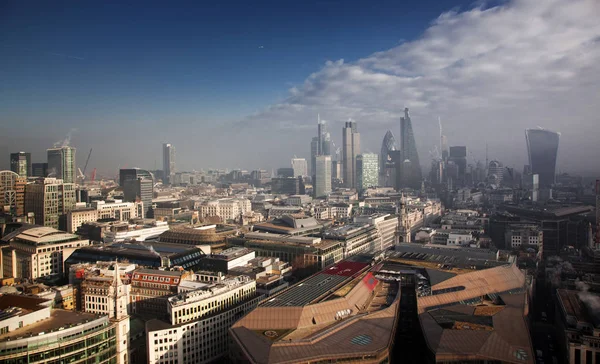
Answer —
488 72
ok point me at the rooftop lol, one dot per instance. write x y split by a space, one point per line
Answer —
40 235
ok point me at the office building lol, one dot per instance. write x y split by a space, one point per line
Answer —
39 169
118 210
34 332
80 216
140 230
197 328
527 235
61 164
314 152
458 156
151 289
287 186
367 171
386 165
343 314
542 147
351 149
50 199
35 251
285 172
20 163
300 167
495 173
597 212
153 255
578 324
168 163
8 192
336 170
228 209
410 169
133 174
322 184
140 190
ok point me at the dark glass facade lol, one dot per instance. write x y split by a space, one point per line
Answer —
542 146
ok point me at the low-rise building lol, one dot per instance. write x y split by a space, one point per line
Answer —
150 290
579 325
35 251
518 235
227 259
138 231
228 209
78 217
64 297
213 235
298 200
118 210
31 331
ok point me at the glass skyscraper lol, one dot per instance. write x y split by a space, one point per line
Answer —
367 171
20 163
322 185
542 146
351 149
410 169
61 164
168 163
386 164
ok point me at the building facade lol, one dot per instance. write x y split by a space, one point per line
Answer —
386 165
410 169
20 163
542 147
228 209
61 163
300 167
367 171
322 184
49 199
351 149
140 190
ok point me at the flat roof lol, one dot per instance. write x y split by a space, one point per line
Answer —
58 318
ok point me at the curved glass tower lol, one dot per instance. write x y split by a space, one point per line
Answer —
411 168
542 146
386 164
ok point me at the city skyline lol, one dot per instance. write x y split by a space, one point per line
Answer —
483 96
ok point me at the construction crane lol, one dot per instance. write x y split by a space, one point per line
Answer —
86 162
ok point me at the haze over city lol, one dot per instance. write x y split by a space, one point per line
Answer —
240 85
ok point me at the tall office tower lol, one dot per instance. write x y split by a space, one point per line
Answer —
322 185
20 163
367 171
458 155
300 167
445 151
314 152
542 146
410 170
336 170
351 149
495 173
61 163
168 163
8 191
133 189
49 199
386 165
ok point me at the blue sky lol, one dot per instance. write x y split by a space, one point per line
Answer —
129 77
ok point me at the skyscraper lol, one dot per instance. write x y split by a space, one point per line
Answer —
168 163
410 169
351 149
138 184
314 152
386 165
48 199
61 163
322 184
300 167
20 163
458 155
542 146
367 171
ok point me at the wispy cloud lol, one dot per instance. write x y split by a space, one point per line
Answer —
489 72
65 56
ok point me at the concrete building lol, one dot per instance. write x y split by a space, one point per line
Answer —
356 238
32 331
136 231
78 217
367 171
227 259
212 235
150 290
35 251
579 325
228 209
300 167
49 199
350 150
386 225
197 328
61 164
298 200
495 173
322 184
168 163
8 191
20 163
527 235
